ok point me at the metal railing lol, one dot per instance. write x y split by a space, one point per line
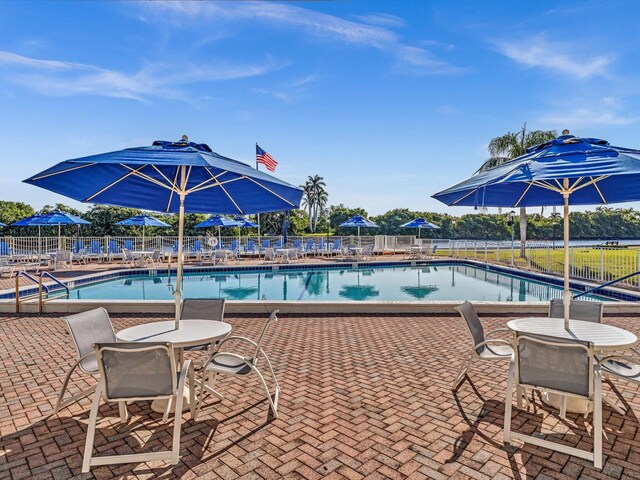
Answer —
44 292
606 284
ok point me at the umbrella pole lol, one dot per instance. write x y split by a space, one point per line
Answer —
358 236
178 293
59 237
143 236
566 294
219 238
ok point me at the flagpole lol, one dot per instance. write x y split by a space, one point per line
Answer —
258 213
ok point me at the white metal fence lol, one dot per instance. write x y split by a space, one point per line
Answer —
597 263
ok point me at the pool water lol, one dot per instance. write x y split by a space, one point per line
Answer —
420 283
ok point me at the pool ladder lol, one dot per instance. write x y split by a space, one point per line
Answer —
44 291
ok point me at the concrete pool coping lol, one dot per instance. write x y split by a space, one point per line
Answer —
7 305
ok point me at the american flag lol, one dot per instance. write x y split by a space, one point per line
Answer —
265 159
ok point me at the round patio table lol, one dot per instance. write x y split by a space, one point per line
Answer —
191 333
605 338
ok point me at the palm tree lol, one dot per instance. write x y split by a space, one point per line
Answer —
314 199
308 201
509 146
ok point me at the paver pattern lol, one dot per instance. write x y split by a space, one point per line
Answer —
362 397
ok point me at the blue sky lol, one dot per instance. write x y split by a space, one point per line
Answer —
389 101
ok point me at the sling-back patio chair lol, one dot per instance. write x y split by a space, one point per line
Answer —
482 348
578 310
86 328
132 372
564 367
228 363
202 309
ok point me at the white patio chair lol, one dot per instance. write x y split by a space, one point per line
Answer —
559 367
578 310
220 256
86 328
481 347
132 372
62 259
127 258
202 309
154 259
228 363
624 366
269 255
367 252
293 254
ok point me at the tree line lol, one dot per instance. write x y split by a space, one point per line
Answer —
602 223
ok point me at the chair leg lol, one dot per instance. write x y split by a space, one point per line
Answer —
177 421
91 430
597 420
506 435
124 414
463 371
274 405
74 398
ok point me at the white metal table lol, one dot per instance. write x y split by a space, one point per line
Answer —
605 338
191 333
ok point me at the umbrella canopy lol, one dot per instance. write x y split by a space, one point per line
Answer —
217 221
50 219
358 221
419 223
565 171
244 223
3 224
143 220
170 177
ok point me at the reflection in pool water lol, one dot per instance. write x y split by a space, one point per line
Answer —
422 283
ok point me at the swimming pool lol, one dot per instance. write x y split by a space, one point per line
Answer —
335 284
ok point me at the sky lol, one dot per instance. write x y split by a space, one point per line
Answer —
390 102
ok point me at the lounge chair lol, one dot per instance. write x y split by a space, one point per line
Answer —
481 347
129 245
566 368
95 250
5 250
250 247
227 363
132 372
113 250
86 328
310 247
78 246
336 247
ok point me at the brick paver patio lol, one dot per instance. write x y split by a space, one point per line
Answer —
363 397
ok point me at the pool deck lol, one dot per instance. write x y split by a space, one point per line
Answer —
362 397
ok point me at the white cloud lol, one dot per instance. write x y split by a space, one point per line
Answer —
599 112
382 20
312 22
563 57
62 78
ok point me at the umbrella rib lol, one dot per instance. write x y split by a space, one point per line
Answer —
523 194
104 189
207 181
595 184
175 179
63 171
146 177
162 174
270 191
591 182
465 196
546 185
218 183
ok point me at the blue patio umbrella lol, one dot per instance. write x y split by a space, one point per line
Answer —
170 177
359 221
217 221
565 171
49 220
244 223
143 220
3 224
419 223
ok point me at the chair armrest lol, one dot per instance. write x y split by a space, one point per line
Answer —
244 339
629 358
497 330
495 340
